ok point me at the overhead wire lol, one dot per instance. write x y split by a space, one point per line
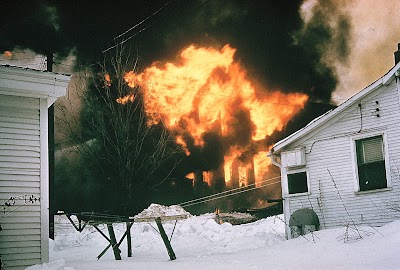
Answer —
231 194
228 193
133 27
148 17
191 13
145 28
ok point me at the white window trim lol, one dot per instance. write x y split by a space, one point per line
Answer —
353 140
285 187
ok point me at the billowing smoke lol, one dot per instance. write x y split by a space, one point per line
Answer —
282 47
285 46
31 25
240 127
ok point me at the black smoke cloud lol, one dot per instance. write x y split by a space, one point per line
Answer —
240 128
273 42
276 45
30 24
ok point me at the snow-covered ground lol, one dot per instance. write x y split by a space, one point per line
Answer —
200 243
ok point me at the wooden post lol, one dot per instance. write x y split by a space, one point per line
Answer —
165 239
116 246
50 122
128 238
113 242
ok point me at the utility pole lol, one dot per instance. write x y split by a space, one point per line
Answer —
50 62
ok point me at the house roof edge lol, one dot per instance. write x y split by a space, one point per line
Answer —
32 83
384 80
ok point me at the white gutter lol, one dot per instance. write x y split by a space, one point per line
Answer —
16 81
273 160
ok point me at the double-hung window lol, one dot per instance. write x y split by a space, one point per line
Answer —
371 163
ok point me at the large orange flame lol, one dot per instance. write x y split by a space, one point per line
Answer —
203 90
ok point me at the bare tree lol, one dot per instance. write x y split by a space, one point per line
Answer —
109 129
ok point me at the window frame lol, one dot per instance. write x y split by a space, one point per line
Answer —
293 171
355 164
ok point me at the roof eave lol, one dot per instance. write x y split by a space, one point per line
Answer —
31 83
384 80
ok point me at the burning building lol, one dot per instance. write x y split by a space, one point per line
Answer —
189 94
220 116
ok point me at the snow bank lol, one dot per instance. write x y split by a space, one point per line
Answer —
200 243
156 210
55 265
196 236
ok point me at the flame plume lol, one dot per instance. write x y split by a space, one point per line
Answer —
206 91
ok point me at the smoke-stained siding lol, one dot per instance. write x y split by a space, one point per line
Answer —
20 179
330 159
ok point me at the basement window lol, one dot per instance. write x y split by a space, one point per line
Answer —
371 163
297 182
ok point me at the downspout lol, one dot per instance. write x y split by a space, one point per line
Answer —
397 74
285 203
273 158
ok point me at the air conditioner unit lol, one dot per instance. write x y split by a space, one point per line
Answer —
294 158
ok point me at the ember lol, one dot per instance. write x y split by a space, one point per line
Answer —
8 54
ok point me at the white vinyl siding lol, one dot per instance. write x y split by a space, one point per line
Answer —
20 165
331 164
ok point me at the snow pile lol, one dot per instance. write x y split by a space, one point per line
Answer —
156 210
201 243
55 265
189 235
204 233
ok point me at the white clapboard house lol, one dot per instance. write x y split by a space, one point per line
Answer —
343 168
25 96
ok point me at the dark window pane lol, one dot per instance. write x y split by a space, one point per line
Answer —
372 176
297 182
371 163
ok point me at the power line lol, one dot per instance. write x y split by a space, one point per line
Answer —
231 194
191 13
152 15
228 193
133 27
